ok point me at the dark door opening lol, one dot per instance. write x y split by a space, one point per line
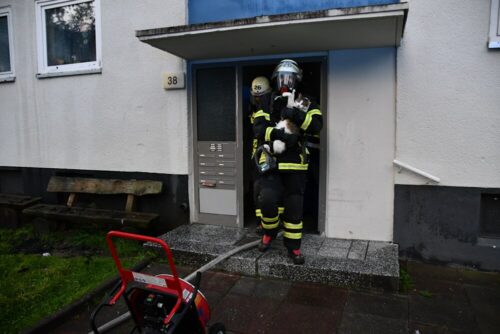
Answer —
310 86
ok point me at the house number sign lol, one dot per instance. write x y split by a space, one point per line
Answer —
173 80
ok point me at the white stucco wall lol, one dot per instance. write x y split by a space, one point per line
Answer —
448 100
121 120
361 142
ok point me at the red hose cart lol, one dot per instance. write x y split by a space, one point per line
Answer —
158 304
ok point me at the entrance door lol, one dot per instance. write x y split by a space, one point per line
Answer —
216 172
222 137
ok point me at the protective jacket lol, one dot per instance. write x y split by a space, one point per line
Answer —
309 121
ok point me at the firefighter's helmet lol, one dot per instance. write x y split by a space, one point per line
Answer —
287 75
260 86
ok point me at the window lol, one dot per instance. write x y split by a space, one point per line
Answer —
494 40
6 46
68 37
490 215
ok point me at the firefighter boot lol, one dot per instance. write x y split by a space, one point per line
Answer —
265 243
296 256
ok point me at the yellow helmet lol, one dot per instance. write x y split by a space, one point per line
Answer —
260 86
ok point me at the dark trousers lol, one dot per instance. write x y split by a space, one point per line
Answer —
280 189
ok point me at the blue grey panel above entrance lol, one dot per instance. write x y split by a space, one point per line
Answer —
202 11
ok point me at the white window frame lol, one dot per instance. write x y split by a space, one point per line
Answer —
494 38
10 75
44 70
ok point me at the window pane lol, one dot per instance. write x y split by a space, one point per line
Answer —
70 34
4 45
216 104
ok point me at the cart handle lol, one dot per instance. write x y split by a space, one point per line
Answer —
126 274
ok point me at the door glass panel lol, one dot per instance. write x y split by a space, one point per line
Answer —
216 104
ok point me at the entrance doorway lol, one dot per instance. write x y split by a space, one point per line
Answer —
222 143
311 87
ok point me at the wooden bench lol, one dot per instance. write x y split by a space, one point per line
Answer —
77 185
11 206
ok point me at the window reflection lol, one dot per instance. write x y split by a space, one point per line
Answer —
70 34
4 45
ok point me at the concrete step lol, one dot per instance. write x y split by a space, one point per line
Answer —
340 262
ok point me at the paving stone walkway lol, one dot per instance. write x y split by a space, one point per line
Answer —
441 300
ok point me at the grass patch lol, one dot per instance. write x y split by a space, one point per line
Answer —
425 293
33 286
406 283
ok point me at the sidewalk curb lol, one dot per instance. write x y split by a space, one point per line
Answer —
55 319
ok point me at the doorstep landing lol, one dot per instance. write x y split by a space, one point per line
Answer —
339 262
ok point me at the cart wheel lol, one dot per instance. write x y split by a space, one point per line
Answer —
217 328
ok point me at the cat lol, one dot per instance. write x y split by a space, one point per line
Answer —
290 127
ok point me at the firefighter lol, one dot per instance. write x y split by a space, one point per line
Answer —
260 104
280 191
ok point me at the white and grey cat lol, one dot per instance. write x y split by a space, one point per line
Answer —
286 124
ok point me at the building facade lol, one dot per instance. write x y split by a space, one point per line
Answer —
410 93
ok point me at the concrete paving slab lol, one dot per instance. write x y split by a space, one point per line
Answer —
246 315
337 243
203 233
272 289
245 286
357 323
336 248
219 282
358 250
384 305
380 257
296 318
242 263
311 244
320 295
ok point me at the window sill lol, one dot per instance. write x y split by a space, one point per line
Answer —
489 241
68 73
493 44
7 79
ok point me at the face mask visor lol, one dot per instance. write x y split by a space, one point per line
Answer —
286 81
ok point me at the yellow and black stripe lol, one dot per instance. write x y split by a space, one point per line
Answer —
292 230
258 212
270 223
260 113
308 119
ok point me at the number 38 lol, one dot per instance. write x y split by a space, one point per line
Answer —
172 80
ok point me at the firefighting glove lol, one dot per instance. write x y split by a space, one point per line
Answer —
289 139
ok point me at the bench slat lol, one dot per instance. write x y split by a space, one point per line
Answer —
138 219
103 186
17 201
